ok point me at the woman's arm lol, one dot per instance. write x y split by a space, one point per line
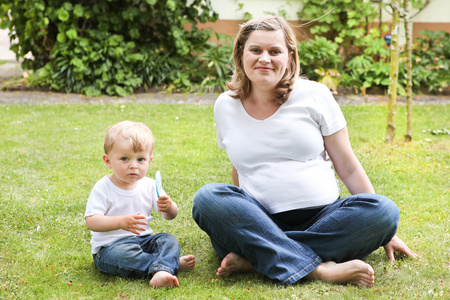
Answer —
235 176
346 163
354 177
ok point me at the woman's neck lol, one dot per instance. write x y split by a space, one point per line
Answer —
264 97
260 105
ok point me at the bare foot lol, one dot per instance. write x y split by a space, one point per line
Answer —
233 263
187 263
355 272
163 279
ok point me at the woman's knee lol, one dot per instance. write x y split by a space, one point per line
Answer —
384 211
204 200
388 210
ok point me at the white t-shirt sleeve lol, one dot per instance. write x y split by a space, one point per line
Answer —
97 202
325 110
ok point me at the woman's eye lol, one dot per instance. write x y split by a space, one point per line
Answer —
255 50
275 52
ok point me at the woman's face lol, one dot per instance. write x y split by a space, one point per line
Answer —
265 58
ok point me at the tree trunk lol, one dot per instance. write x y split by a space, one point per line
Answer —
408 33
393 78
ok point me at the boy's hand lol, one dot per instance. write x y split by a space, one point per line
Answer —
132 222
164 203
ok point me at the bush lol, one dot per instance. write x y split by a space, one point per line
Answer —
431 61
217 60
108 46
315 53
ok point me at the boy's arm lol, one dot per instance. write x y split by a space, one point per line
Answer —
167 207
101 223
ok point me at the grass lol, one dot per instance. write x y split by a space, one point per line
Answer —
51 158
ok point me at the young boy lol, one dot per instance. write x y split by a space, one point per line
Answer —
118 212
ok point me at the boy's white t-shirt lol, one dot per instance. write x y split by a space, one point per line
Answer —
109 200
281 161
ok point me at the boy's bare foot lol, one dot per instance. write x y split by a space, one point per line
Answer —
355 272
187 263
233 263
163 279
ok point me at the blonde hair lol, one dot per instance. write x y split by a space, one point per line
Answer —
138 134
240 84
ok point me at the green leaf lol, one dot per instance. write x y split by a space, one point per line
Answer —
61 37
171 5
63 15
78 11
121 91
77 62
92 91
71 34
134 33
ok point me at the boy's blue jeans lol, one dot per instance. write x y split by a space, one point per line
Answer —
140 256
350 228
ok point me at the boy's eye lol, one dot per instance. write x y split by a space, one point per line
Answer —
141 159
124 158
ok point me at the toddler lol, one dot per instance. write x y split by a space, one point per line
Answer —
119 210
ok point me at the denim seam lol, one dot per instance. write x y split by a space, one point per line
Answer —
287 281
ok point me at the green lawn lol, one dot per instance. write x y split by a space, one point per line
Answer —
51 158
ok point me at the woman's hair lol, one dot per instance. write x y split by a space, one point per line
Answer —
138 134
240 84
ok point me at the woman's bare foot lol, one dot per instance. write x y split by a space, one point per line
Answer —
233 263
187 263
355 272
163 279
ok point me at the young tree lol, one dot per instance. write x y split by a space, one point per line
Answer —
408 33
393 77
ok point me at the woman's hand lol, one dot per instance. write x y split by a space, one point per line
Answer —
397 245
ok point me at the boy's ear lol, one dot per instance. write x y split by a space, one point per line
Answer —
107 161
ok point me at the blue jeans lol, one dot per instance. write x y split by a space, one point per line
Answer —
140 256
350 228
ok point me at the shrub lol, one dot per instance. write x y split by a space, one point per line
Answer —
317 53
107 46
431 60
217 60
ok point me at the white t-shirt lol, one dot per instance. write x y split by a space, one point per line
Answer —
109 200
281 161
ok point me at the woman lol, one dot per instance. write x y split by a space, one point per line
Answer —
283 217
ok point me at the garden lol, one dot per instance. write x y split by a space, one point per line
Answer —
119 49
51 154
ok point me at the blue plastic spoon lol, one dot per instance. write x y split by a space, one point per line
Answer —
159 189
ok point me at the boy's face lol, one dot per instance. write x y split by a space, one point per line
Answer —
128 166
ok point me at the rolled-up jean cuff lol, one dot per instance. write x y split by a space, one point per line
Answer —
302 273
